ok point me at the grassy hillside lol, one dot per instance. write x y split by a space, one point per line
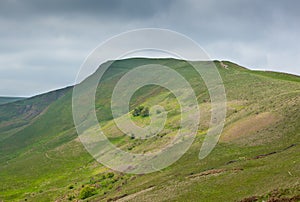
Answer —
17 115
257 157
5 100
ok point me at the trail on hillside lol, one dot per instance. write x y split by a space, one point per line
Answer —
131 196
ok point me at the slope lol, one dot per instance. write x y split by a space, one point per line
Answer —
42 159
5 100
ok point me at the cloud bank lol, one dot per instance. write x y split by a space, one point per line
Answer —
43 43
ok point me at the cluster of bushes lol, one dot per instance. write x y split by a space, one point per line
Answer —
141 111
87 192
101 185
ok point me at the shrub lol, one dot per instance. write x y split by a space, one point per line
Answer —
110 175
136 112
87 192
145 112
71 197
141 108
104 183
132 136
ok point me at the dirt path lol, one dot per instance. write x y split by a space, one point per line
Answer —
131 196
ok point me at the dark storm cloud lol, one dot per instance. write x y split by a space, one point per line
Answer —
43 43
104 8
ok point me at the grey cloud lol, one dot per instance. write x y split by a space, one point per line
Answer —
43 43
112 8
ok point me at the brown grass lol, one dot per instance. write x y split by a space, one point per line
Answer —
248 127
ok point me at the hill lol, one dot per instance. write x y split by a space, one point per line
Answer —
257 156
5 100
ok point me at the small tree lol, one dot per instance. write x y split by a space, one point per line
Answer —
136 112
145 112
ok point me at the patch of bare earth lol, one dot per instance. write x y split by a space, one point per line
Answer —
248 128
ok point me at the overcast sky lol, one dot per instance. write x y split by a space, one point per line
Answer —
43 43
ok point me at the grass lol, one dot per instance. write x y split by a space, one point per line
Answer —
43 160
5 100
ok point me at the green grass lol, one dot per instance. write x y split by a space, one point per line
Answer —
5 100
276 75
41 158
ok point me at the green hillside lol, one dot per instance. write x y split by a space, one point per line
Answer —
256 159
5 100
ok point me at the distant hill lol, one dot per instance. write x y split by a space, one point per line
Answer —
257 157
4 100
